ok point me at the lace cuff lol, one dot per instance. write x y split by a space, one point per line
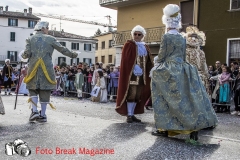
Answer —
137 70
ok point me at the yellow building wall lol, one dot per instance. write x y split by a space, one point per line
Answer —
148 14
107 51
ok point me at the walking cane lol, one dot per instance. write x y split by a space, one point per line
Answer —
18 86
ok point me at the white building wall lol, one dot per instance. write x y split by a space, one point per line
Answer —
22 32
118 56
82 54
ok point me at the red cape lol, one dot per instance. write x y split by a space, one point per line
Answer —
128 61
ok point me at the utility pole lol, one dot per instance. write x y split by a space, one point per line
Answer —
110 29
60 23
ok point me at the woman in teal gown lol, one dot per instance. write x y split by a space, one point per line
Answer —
181 104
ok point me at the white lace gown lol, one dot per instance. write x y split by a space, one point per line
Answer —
23 88
103 97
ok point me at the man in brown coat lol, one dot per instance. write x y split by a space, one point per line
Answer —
134 81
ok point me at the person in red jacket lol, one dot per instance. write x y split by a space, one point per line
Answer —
134 81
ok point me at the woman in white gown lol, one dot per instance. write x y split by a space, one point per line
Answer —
22 88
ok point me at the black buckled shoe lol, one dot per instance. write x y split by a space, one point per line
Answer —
135 119
160 133
34 116
129 119
194 135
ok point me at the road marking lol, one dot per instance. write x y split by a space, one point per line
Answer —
222 138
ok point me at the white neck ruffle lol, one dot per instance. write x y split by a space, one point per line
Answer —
173 31
141 49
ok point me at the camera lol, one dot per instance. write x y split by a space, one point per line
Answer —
18 146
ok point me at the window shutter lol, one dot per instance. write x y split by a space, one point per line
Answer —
84 59
59 61
8 56
16 22
16 56
71 62
90 47
90 61
28 23
84 47
72 45
77 46
13 36
9 22
77 61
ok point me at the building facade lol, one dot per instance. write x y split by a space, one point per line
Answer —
221 25
147 13
15 28
84 46
105 52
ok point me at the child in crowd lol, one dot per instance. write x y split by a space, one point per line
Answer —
224 95
102 95
79 82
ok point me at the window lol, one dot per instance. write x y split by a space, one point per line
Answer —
12 55
88 61
12 36
110 43
103 44
87 47
234 50
31 24
187 12
96 59
75 46
103 59
63 43
96 48
235 4
74 60
12 22
61 59
109 58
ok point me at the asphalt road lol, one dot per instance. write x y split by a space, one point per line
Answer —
78 125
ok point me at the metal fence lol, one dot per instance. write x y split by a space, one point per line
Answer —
67 88
215 96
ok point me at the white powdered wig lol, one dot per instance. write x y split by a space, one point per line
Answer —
139 29
6 60
172 17
40 25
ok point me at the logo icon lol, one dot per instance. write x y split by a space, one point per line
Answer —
17 147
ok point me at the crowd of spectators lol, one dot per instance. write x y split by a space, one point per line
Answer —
225 86
65 75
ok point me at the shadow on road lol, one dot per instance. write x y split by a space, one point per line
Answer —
118 133
16 130
177 148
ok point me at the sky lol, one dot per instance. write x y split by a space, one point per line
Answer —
89 10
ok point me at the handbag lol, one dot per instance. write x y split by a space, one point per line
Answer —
95 91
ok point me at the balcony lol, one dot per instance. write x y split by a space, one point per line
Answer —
114 4
153 36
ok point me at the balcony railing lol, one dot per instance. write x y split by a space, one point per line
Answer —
3 57
153 36
104 2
